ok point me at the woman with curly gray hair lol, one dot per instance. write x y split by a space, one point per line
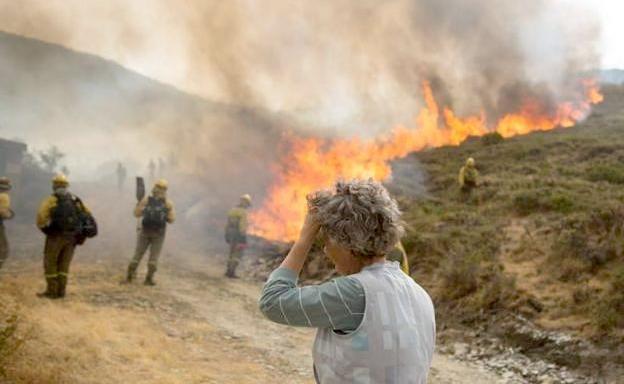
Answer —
375 324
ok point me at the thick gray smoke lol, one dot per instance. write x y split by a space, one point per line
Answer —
357 66
354 66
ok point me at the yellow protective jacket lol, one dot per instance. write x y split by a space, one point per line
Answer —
239 215
5 206
398 254
236 227
171 214
44 215
468 176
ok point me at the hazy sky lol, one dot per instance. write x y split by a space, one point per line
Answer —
611 12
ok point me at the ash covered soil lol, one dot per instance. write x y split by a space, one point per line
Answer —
194 327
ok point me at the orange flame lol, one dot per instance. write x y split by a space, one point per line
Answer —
314 163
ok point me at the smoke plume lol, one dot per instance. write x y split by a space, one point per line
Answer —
354 66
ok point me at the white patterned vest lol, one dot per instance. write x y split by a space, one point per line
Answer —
393 344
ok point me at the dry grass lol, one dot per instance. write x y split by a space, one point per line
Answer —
74 342
107 333
12 336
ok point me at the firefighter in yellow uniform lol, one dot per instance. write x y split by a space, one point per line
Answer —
59 218
236 234
468 177
5 214
155 211
398 254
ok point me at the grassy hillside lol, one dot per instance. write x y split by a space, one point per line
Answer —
543 235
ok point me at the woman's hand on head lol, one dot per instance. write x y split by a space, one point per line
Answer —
311 226
298 253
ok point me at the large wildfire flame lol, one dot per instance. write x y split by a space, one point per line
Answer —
313 163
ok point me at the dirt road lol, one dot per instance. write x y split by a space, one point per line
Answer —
194 327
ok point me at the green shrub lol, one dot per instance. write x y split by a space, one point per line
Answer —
609 313
460 276
522 153
527 170
617 283
492 138
423 251
606 317
495 289
542 200
610 173
561 203
575 253
473 287
571 270
586 242
526 203
582 295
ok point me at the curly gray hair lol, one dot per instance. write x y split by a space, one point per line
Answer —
359 215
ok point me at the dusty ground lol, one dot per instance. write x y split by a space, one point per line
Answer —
194 327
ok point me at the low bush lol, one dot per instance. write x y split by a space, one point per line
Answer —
474 287
496 289
561 203
492 138
460 276
609 313
613 174
585 243
598 151
527 202
542 200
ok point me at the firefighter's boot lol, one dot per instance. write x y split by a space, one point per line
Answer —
51 291
62 284
131 273
231 272
149 278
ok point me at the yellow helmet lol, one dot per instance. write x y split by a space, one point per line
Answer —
470 162
162 184
245 199
60 180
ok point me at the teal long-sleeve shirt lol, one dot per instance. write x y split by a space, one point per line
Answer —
338 304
